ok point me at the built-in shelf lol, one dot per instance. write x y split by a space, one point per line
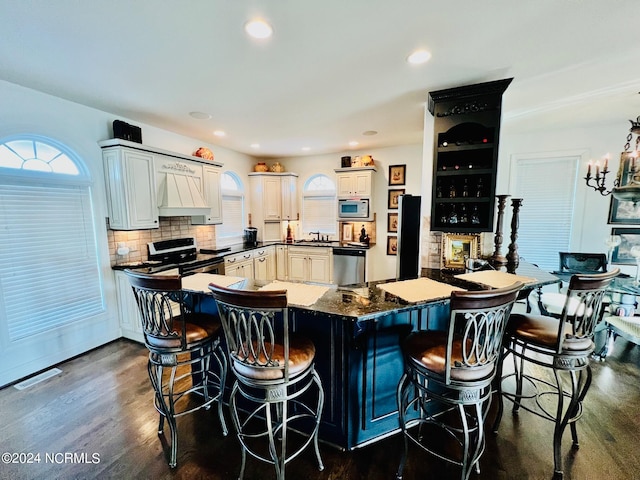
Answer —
467 130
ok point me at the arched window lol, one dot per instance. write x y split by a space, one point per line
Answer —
319 205
32 154
49 273
231 229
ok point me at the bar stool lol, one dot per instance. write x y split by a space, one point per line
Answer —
187 367
448 376
561 344
273 393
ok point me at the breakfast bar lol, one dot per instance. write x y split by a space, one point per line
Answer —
357 333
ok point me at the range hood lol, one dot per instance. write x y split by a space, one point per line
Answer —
179 195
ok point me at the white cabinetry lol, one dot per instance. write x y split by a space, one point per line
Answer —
310 264
274 199
130 323
212 195
240 265
355 182
289 192
142 181
131 188
264 263
281 262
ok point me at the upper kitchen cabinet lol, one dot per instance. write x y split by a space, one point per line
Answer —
144 183
466 137
274 199
212 196
355 182
131 188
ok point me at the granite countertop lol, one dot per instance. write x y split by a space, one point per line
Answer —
367 301
208 254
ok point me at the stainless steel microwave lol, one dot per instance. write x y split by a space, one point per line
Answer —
353 208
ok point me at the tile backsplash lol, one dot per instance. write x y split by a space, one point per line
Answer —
170 227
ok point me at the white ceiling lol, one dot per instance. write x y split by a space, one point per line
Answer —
333 68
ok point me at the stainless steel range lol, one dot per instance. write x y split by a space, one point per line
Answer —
182 253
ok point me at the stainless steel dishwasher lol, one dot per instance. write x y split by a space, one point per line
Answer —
349 265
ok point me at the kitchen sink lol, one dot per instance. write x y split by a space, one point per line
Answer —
315 243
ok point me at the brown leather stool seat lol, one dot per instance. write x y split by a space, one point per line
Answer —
428 350
543 331
199 328
302 351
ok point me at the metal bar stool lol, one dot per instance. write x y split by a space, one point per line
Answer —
274 393
187 367
448 376
561 344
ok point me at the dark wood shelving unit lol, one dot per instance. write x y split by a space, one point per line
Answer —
466 131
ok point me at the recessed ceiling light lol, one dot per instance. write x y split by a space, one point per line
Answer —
368 133
353 143
306 149
255 145
200 115
220 133
258 29
418 57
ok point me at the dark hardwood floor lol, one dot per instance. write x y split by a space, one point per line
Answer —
100 409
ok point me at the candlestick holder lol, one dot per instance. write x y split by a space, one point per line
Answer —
497 259
612 241
513 258
635 253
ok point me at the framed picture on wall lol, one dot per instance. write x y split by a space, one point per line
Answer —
630 237
621 211
347 232
397 174
393 198
392 222
457 248
392 245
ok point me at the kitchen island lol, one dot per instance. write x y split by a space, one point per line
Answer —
357 333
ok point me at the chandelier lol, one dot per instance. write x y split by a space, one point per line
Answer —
626 187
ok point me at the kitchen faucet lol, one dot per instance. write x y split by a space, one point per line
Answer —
317 235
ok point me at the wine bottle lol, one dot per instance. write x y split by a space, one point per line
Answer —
443 215
465 188
453 193
480 188
475 217
464 218
453 216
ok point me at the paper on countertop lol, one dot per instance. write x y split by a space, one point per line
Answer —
199 282
419 289
494 278
298 293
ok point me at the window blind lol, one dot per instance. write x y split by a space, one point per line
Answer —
319 214
231 230
547 187
49 275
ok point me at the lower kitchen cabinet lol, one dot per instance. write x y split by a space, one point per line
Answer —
264 263
281 262
310 264
240 265
130 322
